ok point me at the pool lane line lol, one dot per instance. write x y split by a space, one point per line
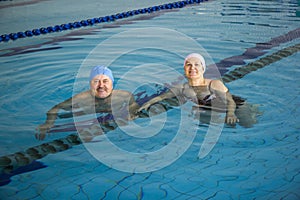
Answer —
25 161
255 52
74 35
240 72
10 164
34 165
15 4
97 20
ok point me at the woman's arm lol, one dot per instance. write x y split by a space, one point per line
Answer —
133 107
231 106
167 95
222 92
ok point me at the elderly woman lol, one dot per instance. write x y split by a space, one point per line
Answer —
205 93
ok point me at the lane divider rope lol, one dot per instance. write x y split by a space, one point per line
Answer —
240 72
94 21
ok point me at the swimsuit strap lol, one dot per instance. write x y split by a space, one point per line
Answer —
209 86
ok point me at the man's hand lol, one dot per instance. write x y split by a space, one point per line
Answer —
42 130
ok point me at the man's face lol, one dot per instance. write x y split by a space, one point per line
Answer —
101 86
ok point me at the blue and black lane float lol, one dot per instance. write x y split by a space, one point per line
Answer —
97 20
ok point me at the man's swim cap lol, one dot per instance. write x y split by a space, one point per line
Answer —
196 55
97 70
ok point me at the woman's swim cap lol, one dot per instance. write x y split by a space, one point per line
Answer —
97 70
196 55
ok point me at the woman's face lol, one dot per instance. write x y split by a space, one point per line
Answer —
193 68
101 86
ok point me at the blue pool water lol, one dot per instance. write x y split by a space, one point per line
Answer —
260 162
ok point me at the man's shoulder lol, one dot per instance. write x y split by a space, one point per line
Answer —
83 95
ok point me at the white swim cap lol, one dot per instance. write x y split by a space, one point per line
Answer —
196 55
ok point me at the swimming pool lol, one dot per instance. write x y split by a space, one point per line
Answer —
260 162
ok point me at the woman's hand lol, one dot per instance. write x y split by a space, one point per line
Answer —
231 118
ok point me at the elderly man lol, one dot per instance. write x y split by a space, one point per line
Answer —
100 98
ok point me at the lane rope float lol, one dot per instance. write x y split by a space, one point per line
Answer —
240 72
97 20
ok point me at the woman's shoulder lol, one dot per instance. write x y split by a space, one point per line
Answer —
216 84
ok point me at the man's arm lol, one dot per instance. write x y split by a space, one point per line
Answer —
51 117
52 114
